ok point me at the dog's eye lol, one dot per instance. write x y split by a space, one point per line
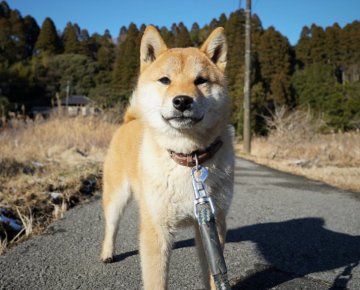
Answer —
165 81
200 80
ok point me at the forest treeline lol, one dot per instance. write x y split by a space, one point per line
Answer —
321 72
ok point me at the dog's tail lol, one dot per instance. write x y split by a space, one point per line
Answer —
131 112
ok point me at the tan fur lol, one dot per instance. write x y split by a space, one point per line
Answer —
138 161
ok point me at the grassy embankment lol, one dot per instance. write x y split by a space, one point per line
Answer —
46 167
295 145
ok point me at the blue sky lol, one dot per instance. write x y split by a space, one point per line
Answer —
287 16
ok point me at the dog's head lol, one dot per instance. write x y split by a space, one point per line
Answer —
183 90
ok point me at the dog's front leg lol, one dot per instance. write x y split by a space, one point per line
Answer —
155 249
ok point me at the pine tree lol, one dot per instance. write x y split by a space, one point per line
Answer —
318 51
350 39
167 36
18 37
235 34
32 31
71 38
194 34
5 41
94 44
127 62
213 24
333 44
276 65
182 36
222 20
105 54
85 44
4 10
48 40
302 49
256 31
122 34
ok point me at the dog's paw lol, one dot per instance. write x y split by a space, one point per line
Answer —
107 260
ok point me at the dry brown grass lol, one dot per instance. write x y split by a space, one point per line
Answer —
44 139
46 166
294 145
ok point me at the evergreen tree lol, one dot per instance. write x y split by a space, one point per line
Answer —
4 10
302 49
167 35
32 30
256 31
194 34
213 24
182 36
17 35
222 20
86 44
71 38
6 44
127 62
318 52
94 44
105 54
122 34
351 46
48 40
235 33
333 44
276 65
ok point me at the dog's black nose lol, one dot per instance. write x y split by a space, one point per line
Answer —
182 103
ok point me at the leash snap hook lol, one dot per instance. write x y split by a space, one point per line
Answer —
196 162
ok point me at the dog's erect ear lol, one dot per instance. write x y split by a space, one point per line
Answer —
152 45
215 48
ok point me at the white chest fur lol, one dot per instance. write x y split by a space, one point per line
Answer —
167 186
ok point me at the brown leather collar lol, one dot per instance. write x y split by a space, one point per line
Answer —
202 155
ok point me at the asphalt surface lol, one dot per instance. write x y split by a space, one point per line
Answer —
285 232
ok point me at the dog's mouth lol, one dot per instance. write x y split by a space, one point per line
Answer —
180 121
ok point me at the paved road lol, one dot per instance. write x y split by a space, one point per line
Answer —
285 232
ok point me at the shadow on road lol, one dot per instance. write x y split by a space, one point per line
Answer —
293 248
301 246
123 256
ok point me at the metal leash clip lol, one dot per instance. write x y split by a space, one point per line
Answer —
199 175
205 214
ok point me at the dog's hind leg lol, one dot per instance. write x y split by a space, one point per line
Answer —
114 202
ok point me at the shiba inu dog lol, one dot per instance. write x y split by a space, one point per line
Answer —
179 109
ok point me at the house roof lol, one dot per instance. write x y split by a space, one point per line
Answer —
75 101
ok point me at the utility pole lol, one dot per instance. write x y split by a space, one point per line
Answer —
67 93
247 130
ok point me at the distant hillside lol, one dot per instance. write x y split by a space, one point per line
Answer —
322 71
